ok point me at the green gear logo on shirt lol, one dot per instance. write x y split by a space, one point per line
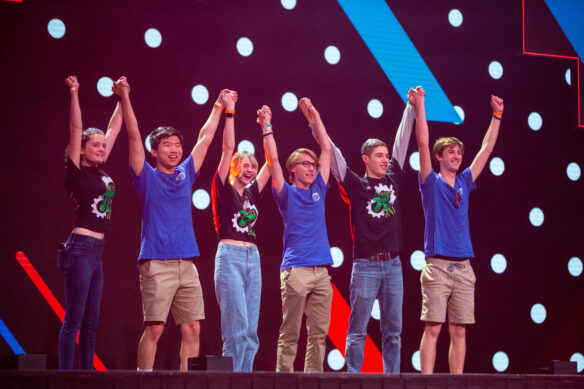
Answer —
102 205
382 203
244 220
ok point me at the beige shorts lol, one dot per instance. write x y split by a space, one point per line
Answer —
448 284
171 284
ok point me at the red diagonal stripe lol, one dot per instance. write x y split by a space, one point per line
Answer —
372 362
50 298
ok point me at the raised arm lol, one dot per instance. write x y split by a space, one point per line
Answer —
263 176
265 121
113 129
75 124
137 155
322 138
404 132
480 160
229 98
416 98
208 132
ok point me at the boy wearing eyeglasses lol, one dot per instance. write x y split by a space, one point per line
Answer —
304 280
447 279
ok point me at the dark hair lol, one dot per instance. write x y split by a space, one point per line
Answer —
370 144
161 133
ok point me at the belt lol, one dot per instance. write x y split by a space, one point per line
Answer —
381 257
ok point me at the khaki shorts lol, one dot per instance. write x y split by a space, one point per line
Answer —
171 284
448 284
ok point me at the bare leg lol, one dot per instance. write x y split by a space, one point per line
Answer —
148 344
428 346
189 346
457 351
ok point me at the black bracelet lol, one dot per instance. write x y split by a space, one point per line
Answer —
497 117
229 115
268 132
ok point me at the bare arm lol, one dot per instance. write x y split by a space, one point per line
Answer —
113 130
322 138
263 176
274 167
75 123
416 97
137 155
480 160
402 137
207 133
229 98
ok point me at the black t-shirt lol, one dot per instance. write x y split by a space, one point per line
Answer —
91 190
235 216
375 214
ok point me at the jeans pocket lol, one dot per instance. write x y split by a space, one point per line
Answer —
61 252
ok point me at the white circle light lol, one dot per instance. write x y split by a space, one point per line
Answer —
573 171
415 160
416 364
335 360
455 17
534 121
497 166
147 143
498 263
104 86
538 313
338 256
418 260
332 55
375 108
244 46
536 217
56 28
496 70
569 77
200 94
246 145
201 199
575 266
460 113
288 4
500 361
289 101
579 359
153 38
375 312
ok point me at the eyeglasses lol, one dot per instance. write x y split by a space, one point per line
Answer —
458 198
307 164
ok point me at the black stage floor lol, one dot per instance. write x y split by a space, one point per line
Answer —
122 379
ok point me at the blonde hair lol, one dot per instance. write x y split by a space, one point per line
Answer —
294 157
444 143
237 159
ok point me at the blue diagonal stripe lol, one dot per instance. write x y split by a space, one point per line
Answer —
397 55
570 15
10 339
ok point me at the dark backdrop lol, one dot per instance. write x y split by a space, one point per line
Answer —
198 46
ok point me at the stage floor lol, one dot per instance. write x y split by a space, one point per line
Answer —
123 379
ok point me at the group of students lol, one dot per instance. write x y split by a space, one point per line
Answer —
169 279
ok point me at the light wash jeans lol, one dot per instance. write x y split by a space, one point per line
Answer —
81 265
238 286
370 280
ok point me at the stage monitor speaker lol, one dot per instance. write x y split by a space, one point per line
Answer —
211 363
24 362
558 367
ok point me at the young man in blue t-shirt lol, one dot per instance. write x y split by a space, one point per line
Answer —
168 277
448 281
304 280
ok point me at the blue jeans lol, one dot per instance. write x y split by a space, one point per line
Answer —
81 265
238 286
370 280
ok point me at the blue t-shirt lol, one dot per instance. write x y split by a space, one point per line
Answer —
167 224
447 230
305 238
